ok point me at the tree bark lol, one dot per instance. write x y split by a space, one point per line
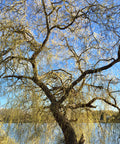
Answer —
68 131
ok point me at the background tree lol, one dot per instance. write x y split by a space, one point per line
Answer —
59 55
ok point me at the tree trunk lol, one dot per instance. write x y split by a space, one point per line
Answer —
68 131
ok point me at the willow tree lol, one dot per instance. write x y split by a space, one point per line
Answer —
60 55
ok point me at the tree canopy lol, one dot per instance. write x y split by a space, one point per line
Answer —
60 55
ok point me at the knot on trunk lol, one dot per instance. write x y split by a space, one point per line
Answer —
82 140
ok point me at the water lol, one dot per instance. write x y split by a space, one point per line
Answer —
94 133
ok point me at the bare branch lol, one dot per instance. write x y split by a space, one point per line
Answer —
94 86
104 60
89 104
18 77
35 54
45 89
65 27
106 101
4 52
91 71
46 16
109 93
14 57
74 55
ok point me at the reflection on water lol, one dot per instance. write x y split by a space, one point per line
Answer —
50 133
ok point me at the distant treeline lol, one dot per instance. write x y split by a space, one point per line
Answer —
20 116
